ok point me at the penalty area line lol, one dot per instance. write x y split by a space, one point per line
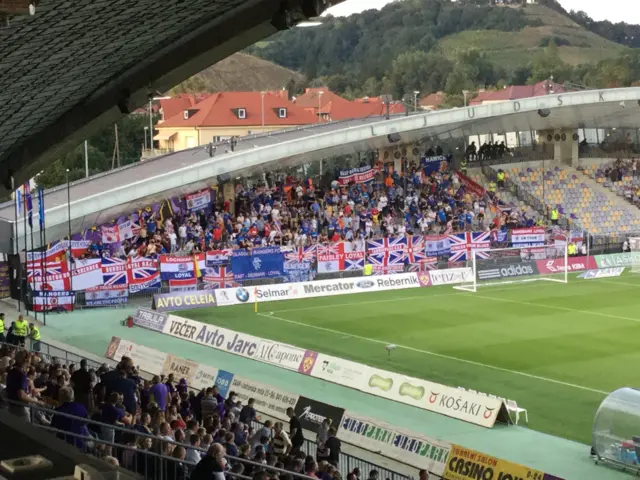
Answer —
434 354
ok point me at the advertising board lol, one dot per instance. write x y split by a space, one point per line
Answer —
320 288
248 346
185 300
407 447
603 273
312 413
510 270
180 368
574 264
268 400
466 464
626 259
204 377
146 359
450 276
342 372
149 319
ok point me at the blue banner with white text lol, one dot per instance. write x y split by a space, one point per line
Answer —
264 262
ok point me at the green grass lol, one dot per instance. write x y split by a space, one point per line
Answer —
554 348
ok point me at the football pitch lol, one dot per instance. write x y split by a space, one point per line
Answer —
557 349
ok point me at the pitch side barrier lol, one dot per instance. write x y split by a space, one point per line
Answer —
319 288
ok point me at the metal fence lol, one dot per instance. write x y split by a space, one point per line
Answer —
346 462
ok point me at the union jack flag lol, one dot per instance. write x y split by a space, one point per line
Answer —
114 271
387 252
143 270
462 244
219 277
301 254
430 263
416 249
56 272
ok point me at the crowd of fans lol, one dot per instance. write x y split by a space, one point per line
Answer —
283 210
205 435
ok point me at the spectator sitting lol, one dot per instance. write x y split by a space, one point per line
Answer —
212 465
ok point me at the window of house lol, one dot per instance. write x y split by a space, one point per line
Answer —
282 112
242 113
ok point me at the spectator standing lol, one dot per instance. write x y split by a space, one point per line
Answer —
248 413
281 444
193 454
323 431
81 383
18 386
2 337
208 404
334 446
112 415
159 393
295 431
34 335
20 331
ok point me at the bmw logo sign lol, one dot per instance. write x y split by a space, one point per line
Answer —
242 295
365 284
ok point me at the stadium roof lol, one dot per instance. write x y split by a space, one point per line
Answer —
101 198
76 65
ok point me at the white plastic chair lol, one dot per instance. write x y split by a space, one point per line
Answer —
512 406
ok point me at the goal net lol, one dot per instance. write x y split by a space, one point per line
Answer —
502 266
634 246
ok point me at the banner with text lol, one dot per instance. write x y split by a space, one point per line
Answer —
268 400
527 237
263 262
627 259
165 302
407 447
466 464
106 295
574 264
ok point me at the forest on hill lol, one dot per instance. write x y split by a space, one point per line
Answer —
438 45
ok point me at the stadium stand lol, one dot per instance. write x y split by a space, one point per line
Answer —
158 427
620 176
577 198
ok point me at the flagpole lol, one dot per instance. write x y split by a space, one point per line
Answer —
15 201
24 216
69 217
43 228
35 313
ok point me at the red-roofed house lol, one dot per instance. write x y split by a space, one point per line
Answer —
432 101
223 115
517 92
330 106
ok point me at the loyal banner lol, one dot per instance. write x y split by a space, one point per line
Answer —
268 400
265 262
467 464
312 413
407 447
527 237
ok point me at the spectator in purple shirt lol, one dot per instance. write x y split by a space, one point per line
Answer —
159 393
18 386
70 407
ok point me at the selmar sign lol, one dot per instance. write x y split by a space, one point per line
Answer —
165 302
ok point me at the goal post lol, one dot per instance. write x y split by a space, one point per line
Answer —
634 247
503 266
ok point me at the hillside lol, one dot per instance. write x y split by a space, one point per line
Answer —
240 72
576 45
433 45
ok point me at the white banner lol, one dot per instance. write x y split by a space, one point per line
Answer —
146 359
110 234
320 288
342 372
204 377
198 200
87 273
248 346
527 237
107 295
450 276
268 400
407 447
603 273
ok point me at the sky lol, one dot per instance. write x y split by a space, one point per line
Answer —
612 10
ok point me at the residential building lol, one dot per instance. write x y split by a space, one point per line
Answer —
517 92
432 101
192 120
